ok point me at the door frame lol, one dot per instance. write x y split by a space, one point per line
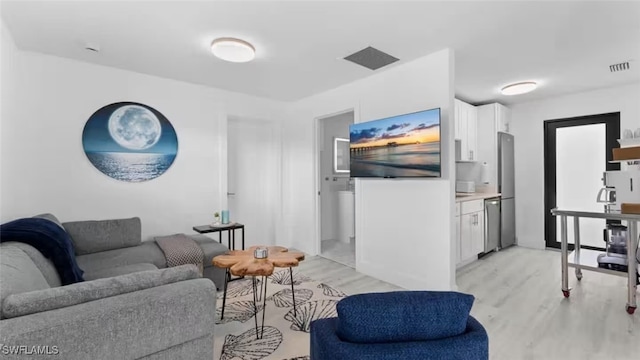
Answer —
612 122
317 170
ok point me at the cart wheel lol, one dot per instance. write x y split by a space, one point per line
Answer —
631 309
566 293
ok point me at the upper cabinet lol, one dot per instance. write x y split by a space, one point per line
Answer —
466 130
492 118
502 117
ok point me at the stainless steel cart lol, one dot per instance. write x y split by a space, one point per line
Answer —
588 259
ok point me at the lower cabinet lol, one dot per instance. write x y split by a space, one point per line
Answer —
467 222
457 242
477 232
469 233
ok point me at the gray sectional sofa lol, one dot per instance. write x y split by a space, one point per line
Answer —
114 247
127 308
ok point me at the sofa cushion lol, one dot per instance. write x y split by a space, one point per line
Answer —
473 344
55 298
147 252
117 271
101 235
402 316
18 273
46 266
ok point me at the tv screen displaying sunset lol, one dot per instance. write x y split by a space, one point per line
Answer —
399 146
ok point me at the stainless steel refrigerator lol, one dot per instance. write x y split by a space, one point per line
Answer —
506 186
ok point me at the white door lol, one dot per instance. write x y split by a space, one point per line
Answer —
580 162
252 178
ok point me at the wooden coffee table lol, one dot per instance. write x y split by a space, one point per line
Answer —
243 263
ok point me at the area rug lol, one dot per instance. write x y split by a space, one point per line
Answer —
286 335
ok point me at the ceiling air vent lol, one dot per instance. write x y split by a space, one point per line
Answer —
619 67
371 58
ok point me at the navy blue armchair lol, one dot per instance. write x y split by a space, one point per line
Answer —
401 325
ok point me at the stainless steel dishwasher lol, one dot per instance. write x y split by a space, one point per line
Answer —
491 224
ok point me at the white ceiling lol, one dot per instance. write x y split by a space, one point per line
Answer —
566 46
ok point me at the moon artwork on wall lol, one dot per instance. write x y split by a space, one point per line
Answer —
130 142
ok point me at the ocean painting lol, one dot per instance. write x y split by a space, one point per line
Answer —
130 142
400 146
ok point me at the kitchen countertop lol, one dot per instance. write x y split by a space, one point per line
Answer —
475 196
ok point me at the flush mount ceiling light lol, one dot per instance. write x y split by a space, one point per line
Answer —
234 50
519 88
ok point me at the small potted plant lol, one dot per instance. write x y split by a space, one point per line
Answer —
216 219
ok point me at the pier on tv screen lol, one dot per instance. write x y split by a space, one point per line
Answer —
400 146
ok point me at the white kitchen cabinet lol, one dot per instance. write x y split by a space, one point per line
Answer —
503 117
462 131
456 120
457 241
492 118
478 234
466 236
471 236
466 125
470 231
472 132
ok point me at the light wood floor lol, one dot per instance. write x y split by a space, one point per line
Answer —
338 251
518 300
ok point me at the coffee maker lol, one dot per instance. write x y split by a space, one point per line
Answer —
619 187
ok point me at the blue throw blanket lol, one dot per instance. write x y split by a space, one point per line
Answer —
50 239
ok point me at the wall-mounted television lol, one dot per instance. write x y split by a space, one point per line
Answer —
399 146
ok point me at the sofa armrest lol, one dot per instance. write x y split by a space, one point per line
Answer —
127 326
59 297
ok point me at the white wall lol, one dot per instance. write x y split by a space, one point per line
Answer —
7 90
45 168
470 171
527 127
404 228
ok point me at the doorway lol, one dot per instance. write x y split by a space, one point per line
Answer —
253 168
336 191
577 151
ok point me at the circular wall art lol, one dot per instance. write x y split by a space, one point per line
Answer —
130 142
